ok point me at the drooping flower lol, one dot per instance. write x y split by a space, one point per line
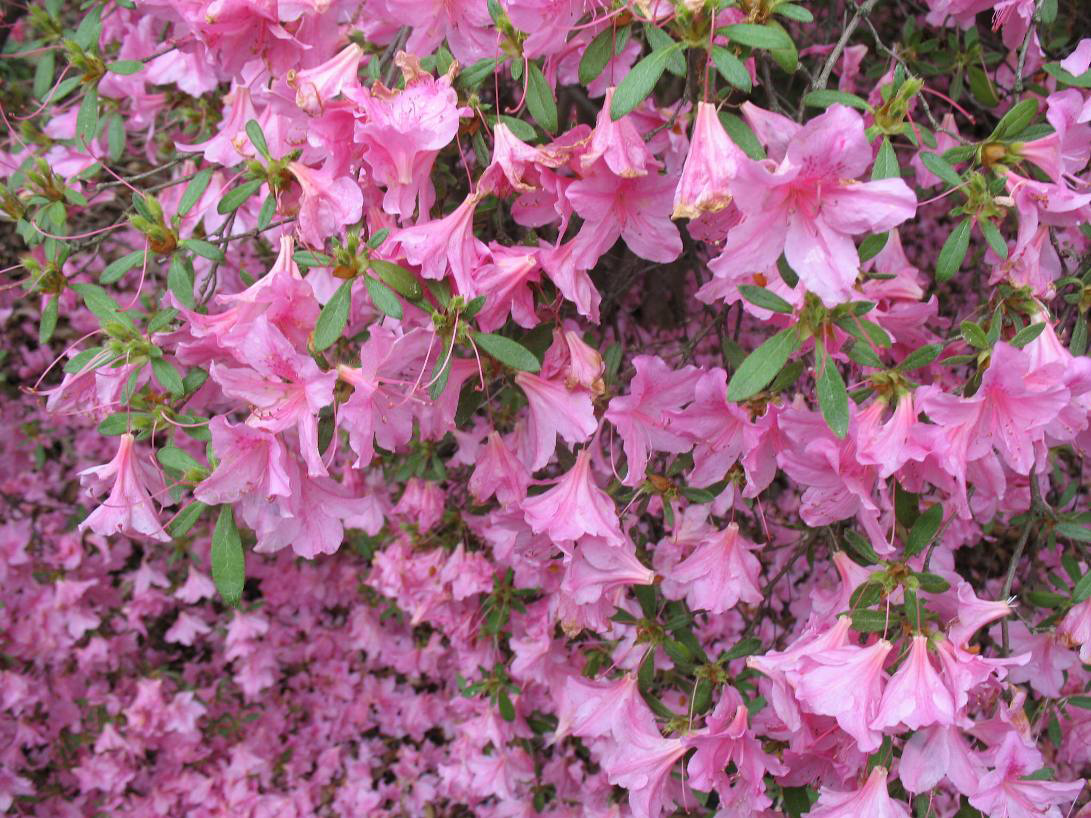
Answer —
575 507
251 464
711 165
872 800
128 509
554 410
719 573
326 203
916 696
599 567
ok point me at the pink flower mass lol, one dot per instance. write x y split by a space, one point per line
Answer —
560 408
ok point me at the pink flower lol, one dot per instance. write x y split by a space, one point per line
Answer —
314 87
447 244
593 709
641 416
555 409
720 572
872 801
128 509
402 133
285 388
806 208
230 145
916 696
846 683
710 168
326 203
251 463
1005 791
499 472
935 752
618 144
1076 629
575 507
642 765
599 567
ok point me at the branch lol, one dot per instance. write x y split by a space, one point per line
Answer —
824 75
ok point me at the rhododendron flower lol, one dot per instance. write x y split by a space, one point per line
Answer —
711 165
935 752
916 696
500 472
326 203
447 244
618 144
719 573
1006 791
554 409
128 509
642 765
599 567
872 799
314 87
575 507
251 463
805 208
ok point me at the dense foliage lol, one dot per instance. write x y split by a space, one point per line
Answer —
545 407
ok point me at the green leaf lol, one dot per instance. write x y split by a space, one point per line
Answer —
974 335
659 39
49 321
115 424
101 304
1083 702
204 249
886 162
766 299
640 81
941 168
924 530
824 98
865 355
793 12
115 137
508 352
43 74
186 519
870 621
1073 531
873 245
994 238
228 559
507 709
932 583
742 135
87 117
335 314
1026 335
234 199
1062 76
920 357
125 67
596 56
954 251
257 137
731 68
194 190
540 100
833 398
168 377
757 36
861 547
521 130
174 458
383 297
475 74
1015 121
90 28
762 365
397 277
116 269
180 282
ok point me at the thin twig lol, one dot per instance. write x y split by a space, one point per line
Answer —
1037 510
824 75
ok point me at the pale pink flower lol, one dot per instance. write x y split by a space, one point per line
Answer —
575 507
710 168
719 573
128 509
873 801
554 409
916 696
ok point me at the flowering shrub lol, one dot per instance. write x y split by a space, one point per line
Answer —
546 407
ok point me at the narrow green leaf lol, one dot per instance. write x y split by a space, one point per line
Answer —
731 68
640 81
48 323
762 365
824 98
932 583
974 335
89 29
924 530
596 56
125 67
257 137
886 162
1015 121
833 398
920 357
757 36
794 12
234 199
870 621
87 116
383 297
174 458
508 352
954 251
180 282
861 547
993 237
1026 335
228 559
43 74
115 137
873 245
397 277
766 299
1073 531
540 100
268 208
116 269
742 135
204 249
658 39
335 314
168 377
941 168
507 709
186 519
194 191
